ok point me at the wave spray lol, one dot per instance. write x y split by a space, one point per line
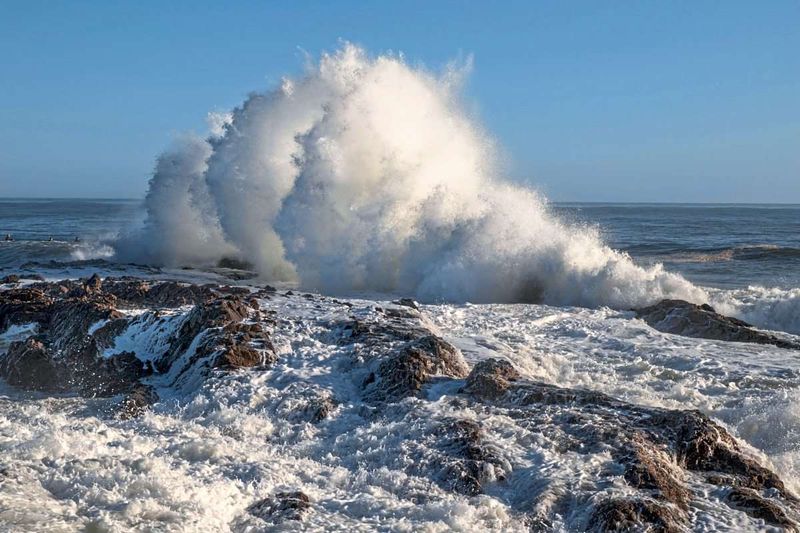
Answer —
366 174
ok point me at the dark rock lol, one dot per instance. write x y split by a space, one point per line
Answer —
71 319
239 356
28 365
234 264
490 379
407 302
702 321
651 468
755 505
11 278
468 462
137 401
656 448
228 340
702 445
23 306
281 507
93 284
629 514
68 358
404 373
168 294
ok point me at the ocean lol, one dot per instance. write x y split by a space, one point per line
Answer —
218 446
724 246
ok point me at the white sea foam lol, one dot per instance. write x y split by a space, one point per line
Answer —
208 451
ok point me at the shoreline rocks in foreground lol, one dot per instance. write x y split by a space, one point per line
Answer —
660 464
77 324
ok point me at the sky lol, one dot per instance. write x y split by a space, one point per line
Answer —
591 101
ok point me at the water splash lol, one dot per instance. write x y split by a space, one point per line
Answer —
366 174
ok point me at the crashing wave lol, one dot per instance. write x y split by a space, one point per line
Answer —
366 174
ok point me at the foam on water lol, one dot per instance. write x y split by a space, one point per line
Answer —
209 450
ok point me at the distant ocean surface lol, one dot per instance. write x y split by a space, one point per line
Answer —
714 245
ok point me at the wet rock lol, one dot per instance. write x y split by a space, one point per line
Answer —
68 310
168 294
655 449
235 264
23 306
241 356
407 302
755 505
490 379
405 372
93 284
136 402
228 340
27 364
630 514
652 469
281 507
468 462
702 321
11 278
70 320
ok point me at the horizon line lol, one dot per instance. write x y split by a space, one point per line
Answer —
552 202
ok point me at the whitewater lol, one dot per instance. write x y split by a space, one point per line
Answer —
323 201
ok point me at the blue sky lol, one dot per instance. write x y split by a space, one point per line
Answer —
592 101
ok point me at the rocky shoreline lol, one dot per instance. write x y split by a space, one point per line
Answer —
128 339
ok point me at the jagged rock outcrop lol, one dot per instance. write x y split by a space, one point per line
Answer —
80 320
657 449
702 321
404 372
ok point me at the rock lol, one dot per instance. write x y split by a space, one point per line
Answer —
28 365
657 449
234 264
68 358
239 356
468 462
23 306
228 341
702 321
11 278
281 507
70 320
652 469
405 372
407 302
490 379
629 514
752 503
136 402
93 284
167 294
